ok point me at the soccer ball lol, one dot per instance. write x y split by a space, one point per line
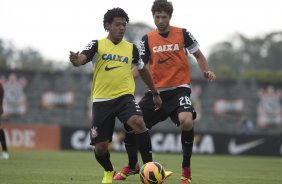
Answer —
152 173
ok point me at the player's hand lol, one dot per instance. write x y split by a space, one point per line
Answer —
209 75
157 101
73 57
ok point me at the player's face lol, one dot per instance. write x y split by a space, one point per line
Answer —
117 29
162 20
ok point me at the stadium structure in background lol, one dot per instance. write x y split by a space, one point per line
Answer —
63 98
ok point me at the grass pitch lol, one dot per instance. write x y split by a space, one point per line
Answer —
75 167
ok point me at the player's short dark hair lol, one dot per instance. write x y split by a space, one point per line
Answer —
112 13
162 5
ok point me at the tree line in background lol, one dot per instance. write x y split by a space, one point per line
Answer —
242 58
239 58
24 59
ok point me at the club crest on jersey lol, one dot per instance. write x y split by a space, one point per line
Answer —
94 132
165 48
114 57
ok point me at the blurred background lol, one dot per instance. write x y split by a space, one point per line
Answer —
47 100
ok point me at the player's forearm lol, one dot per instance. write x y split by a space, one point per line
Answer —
135 72
203 64
146 76
202 61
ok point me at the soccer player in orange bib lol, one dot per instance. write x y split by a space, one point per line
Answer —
165 51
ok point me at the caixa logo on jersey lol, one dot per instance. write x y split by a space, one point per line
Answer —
114 57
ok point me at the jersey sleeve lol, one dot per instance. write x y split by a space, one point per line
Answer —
136 59
144 49
190 42
90 50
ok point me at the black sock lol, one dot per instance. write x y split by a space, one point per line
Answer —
144 145
3 140
187 140
105 161
131 149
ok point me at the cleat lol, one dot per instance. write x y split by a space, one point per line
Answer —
168 174
184 180
108 176
4 156
186 176
126 171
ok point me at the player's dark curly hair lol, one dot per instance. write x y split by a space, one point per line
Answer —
112 13
162 5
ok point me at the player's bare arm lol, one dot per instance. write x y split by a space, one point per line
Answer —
77 59
146 76
203 64
135 72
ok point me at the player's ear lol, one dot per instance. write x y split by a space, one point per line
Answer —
107 26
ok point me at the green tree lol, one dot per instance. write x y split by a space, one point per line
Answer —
6 53
26 59
135 32
245 58
30 59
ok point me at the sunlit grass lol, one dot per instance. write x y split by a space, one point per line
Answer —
75 167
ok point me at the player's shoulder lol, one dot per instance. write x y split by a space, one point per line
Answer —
134 46
152 32
127 42
128 45
103 40
91 44
177 29
94 41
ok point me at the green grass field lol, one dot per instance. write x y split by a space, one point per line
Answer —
74 167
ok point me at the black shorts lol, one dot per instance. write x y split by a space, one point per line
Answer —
104 114
174 102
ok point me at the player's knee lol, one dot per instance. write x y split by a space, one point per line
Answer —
186 120
101 148
137 124
186 123
140 126
187 127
